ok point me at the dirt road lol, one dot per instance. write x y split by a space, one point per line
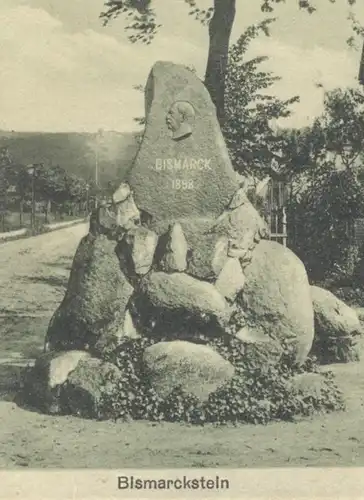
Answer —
33 271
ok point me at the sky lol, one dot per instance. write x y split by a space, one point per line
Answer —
62 70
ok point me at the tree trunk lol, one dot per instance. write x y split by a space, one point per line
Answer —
46 212
219 34
361 67
21 211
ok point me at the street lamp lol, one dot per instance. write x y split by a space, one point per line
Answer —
31 169
98 139
87 197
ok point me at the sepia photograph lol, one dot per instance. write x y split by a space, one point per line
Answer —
181 237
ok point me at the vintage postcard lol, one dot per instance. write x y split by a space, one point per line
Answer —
181 249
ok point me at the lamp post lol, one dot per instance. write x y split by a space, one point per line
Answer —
31 171
97 161
87 198
98 140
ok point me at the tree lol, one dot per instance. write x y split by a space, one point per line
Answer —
50 186
358 30
343 123
12 175
77 191
323 216
6 162
329 194
334 141
249 109
142 26
22 183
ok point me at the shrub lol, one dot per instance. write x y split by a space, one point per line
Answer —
314 393
351 296
130 397
321 221
343 272
336 349
258 393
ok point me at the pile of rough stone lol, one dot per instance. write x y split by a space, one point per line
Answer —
179 265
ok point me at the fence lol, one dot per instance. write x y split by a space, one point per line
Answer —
277 221
275 210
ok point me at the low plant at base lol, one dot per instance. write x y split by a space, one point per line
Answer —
258 392
337 349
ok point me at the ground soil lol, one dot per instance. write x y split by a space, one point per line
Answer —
33 276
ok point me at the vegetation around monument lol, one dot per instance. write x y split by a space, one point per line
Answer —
225 318
258 393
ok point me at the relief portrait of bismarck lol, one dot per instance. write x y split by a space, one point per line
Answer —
180 119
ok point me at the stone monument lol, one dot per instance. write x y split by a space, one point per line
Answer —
182 170
177 255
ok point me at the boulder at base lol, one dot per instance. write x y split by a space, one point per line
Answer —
337 328
180 293
196 369
47 376
96 297
276 298
186 176
82 394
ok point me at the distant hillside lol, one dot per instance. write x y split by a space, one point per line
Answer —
75 152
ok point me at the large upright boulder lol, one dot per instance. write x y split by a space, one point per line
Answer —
276 297
96 298
182 168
